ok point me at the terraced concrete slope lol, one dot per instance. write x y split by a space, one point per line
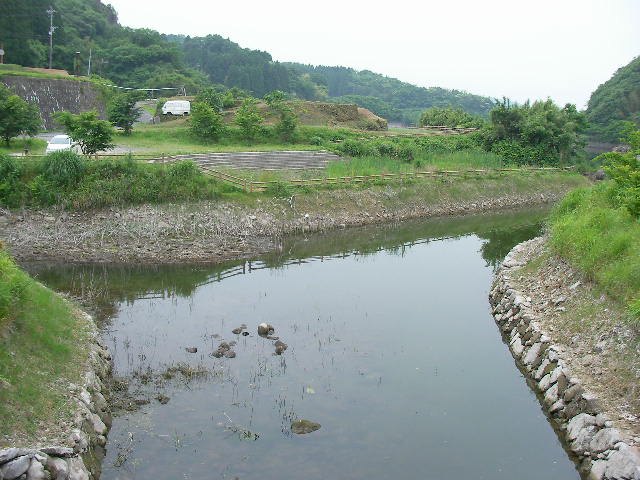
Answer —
277 160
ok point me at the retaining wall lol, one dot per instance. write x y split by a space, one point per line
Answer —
601 449
57 95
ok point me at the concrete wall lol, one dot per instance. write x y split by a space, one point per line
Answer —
56 95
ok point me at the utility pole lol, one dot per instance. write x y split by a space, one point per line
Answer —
52 29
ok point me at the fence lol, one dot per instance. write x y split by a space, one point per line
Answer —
256 186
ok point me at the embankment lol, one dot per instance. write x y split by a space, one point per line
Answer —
574 351
53 414
245 226
53 95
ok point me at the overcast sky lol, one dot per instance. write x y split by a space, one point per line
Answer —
561 49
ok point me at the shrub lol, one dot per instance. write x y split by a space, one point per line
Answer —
64 168
10 185
279 190
355 148
315 140
205 122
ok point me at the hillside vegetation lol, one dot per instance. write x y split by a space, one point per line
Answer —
614 102
145 58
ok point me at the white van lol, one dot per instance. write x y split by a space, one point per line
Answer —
61 142
176 107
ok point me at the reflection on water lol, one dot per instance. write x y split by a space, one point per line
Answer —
392 351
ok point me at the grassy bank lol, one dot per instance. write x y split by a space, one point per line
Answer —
602 240
42 349
76 183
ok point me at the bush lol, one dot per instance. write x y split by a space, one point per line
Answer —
10 184
315 140
205 122
355 148
64 168
279 190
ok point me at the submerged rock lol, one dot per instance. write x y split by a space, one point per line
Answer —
265 329
237 331
192 349
300 427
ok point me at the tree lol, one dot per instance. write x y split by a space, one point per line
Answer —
449 117
538 133
287 122
17 116
249 119
123 112
624 170
87 130
212 97
205 123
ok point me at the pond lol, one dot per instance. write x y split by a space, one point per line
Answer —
391 349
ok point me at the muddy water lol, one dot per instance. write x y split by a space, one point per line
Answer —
392 350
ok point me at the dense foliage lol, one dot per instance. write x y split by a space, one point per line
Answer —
17 116
614 102
66 179
287 121
449 117
624 170
539 133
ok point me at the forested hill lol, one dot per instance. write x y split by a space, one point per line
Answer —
615 101
146 58
390 97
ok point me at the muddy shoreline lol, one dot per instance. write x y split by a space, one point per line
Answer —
214 232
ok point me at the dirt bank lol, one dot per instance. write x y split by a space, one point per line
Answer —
248 226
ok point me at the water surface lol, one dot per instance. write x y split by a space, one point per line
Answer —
392 349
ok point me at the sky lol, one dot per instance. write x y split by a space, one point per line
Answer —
558 49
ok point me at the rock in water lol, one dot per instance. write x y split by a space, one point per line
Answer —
163 399
224 346
281 344
265 329
192 349
230 354
218 353
301 427
245 333
237 331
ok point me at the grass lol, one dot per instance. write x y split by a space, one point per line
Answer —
173 137
84 184
42 349
602 241
17 145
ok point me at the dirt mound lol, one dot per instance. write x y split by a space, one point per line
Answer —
322 113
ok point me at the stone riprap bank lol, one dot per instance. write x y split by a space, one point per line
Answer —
602 450
81 456
53 95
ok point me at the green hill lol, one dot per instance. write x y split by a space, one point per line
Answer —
615 101
145 58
